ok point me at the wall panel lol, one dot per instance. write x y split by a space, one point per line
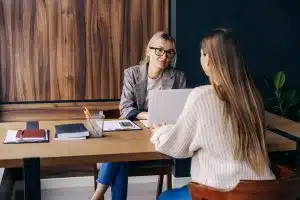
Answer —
72 49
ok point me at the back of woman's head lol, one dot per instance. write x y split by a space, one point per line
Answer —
243 104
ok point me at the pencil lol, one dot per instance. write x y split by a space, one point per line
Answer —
86 112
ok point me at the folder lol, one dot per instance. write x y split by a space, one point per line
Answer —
26 136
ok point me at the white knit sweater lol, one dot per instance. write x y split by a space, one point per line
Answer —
200 133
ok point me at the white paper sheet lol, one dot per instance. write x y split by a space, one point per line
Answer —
10 136
144 122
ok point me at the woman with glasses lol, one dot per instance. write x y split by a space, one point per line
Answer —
222 124
155 72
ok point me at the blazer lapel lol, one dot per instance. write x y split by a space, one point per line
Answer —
141 86
168 79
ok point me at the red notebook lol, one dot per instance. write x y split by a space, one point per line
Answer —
31 133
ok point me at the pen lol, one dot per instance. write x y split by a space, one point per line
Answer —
86 112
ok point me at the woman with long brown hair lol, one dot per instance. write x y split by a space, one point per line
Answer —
222 124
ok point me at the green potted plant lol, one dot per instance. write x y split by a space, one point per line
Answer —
282 100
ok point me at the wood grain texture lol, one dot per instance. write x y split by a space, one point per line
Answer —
281 123
73 49
68 171
55 111
282 188
277 143
132 146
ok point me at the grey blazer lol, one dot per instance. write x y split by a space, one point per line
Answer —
135 88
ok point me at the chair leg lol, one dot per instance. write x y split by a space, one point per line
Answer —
169 180
159 185
95 176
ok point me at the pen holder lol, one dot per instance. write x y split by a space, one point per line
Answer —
95 125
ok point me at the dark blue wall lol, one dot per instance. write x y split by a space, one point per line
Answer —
269 30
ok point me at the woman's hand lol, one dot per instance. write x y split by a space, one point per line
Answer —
156 126
142 115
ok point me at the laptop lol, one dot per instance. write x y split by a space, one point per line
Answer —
166 105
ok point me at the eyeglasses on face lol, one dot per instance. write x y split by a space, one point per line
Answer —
160 52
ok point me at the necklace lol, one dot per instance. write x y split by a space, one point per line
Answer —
155 77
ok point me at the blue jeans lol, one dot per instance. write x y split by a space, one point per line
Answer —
176 194
115 175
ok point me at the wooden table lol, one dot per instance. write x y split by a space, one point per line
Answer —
115 146
286 125
288 129
276 143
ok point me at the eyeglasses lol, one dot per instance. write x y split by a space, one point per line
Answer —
160 52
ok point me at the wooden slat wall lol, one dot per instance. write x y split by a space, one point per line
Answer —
73 49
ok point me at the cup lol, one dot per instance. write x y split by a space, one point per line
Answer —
95 125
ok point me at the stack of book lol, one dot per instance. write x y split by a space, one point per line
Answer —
71 132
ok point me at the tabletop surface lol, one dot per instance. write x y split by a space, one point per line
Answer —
115 146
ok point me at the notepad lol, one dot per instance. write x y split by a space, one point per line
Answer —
119 125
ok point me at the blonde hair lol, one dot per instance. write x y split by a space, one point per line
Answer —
243 103
156 36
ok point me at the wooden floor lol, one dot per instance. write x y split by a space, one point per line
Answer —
144 191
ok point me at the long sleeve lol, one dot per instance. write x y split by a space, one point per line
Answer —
128 107
180 140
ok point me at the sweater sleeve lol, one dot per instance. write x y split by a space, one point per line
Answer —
181 140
